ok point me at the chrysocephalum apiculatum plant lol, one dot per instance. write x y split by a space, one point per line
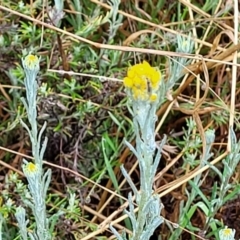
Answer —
143 83
38 181
146 90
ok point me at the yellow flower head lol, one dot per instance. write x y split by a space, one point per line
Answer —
31 168
143 81
227 234
31 61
